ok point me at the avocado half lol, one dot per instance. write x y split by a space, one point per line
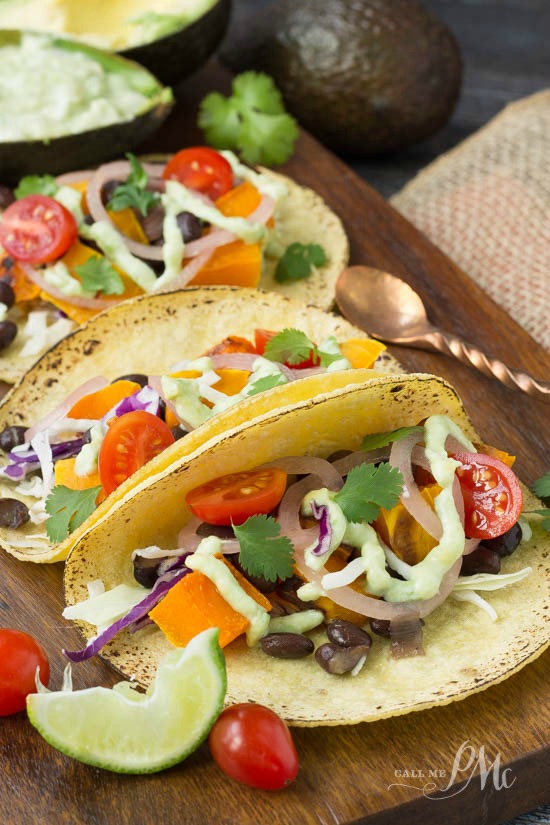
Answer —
174 57
83 149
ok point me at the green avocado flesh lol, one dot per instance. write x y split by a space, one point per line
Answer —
86 106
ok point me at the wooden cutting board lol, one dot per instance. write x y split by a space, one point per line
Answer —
372 774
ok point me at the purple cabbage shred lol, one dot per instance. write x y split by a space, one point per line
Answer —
321 514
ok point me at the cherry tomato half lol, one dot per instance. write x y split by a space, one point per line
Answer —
492 495
235 497
251 744
202 169
37 229
262 336
20 655
131 441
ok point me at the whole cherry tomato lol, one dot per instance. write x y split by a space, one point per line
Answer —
251 744
20 656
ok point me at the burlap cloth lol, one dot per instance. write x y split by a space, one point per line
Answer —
486 203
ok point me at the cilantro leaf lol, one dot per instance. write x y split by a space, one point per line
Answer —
252 121
545 523
265 383
541 487
264 552
36 185
290 345
298 261
68 509
134 192
368 488
98 275
377 440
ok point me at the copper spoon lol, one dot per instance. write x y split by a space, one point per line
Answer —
389 309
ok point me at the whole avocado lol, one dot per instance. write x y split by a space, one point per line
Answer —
366 77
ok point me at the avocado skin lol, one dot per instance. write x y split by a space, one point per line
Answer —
176 56
366 77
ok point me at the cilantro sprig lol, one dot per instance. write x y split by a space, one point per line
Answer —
68 509
134 192
367 488
98 275
298 262
252 120
36 185
264 552
292 346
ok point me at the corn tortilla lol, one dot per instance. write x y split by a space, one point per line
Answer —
456 663
147 335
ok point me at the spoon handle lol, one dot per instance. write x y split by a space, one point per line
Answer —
451 345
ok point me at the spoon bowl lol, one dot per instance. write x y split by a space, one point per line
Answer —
389 309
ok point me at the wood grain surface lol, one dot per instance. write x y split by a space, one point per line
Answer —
348 774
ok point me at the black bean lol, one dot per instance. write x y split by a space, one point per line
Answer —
338 454
506 544
347 634
178 432
7 295
136 377
481 560
146 570
6 197
339 660
108 190
287 645
189 225
11 437
162 409
87 437
220 530
8 331
13 513
381 627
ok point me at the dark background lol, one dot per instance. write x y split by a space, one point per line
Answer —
505 47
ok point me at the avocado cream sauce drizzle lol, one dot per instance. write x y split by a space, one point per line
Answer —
204 560
424 578
177 198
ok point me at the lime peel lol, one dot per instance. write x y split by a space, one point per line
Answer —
125 731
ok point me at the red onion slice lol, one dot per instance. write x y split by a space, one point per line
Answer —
35 276
187 273
119 171
411 497
93 385
234 360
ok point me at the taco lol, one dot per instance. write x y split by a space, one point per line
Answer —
74 245
150 574
156 368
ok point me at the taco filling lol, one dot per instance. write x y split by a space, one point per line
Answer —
71 247
379 537
103 432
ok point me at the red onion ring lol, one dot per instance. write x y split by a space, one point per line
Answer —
75 300
120 170
234 360
411 498
93 385
187 273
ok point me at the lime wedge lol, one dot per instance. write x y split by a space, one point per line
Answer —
125 731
